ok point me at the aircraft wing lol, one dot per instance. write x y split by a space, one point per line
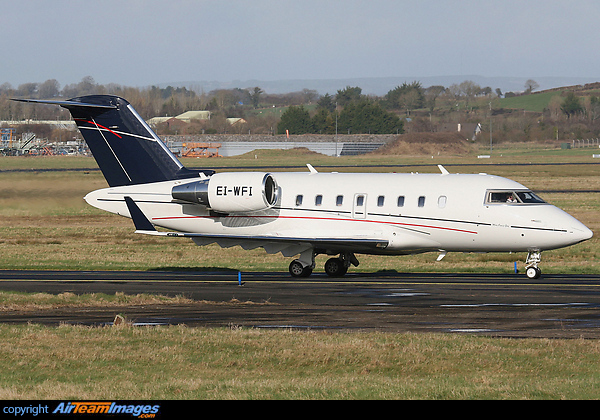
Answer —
288 246
349 244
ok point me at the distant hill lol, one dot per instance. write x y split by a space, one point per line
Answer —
381 85
538 101
535 102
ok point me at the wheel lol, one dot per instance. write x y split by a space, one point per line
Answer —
533 272
335 267
298 270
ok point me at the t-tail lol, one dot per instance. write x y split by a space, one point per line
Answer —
126 149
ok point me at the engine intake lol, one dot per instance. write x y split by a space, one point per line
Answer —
230 192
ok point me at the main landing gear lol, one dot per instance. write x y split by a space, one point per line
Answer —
299 270
532 270
334 267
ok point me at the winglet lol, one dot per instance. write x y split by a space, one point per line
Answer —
443 170
311 169
140 220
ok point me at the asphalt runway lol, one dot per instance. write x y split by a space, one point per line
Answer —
555 306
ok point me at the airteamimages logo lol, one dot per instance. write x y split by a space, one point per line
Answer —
142 411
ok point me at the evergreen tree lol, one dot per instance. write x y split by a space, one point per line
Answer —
367 117
323 122
326 102
348 95
408 97
571 105
296 120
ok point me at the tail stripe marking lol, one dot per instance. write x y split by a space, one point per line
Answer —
98 125
111 149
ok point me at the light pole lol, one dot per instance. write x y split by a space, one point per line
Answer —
490 128
336 133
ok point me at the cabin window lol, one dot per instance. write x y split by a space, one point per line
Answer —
380 201
299 198
360 200
339 200
422 201
318 200
401 201
442 201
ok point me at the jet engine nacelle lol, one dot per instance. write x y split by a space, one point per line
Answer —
230 192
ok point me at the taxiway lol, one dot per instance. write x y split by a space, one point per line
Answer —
555 306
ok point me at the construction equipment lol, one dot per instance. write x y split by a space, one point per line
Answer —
200 150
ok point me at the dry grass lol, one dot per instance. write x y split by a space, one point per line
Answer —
195 363
44 223
16 301
428 144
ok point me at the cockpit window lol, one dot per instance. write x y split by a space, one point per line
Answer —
529 197
512 197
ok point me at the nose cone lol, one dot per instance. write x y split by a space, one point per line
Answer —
581 233
570 230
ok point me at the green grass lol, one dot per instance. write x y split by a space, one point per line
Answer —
535 102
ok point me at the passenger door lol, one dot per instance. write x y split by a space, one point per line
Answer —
359 206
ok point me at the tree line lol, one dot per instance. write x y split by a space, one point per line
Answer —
349 113
346 111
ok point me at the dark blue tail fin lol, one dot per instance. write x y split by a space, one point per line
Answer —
126 149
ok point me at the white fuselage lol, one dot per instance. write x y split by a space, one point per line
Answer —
413 212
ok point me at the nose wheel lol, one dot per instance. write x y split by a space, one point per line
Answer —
533 259
533 272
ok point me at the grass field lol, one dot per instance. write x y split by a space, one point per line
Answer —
45 224
536 102
72 362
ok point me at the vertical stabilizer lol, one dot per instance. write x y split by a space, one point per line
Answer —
126 149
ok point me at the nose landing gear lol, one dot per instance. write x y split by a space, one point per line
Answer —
532 270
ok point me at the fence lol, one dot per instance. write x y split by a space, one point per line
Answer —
580 143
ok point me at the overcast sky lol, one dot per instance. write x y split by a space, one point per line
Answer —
145 42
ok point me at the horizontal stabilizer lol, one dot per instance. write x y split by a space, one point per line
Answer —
68 104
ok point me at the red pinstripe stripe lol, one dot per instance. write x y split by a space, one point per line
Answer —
325 218
101 126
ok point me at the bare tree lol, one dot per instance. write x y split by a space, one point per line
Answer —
49 89
469 89
531 85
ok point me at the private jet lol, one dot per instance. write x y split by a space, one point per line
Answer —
305 214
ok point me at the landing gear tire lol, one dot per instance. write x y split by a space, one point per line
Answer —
298 270
533 259
533 273
336 267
